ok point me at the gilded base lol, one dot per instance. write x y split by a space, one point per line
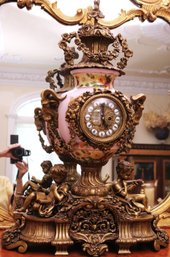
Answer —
94 221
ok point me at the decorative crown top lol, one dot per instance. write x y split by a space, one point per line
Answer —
98 45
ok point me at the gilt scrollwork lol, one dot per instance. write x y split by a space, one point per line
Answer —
50 102
40 126
147 10
53 10
162 236
20 244
11 237
153 9
51 81
93 225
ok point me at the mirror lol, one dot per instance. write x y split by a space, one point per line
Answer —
28 49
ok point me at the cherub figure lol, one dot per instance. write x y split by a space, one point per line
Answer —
45 201
35 184
126 184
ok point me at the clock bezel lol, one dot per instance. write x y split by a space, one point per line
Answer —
115 135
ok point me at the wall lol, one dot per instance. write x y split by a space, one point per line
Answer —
9 96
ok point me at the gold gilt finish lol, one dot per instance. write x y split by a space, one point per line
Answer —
103 118
49 114
95 54
62 239
162 210
86 40
58 217
64 207
76 109
147 10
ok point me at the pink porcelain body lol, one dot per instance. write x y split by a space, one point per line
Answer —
99 78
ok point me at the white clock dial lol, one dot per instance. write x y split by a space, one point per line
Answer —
102 117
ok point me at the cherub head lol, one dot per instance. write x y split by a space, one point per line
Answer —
58 173
46 166
125 170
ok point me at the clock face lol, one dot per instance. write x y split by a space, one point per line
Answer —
102 118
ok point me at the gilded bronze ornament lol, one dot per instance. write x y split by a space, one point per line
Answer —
147 10
86 121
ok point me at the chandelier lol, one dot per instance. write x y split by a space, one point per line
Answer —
86 122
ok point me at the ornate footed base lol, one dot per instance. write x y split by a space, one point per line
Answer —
124 247
39 231
96 218
136 231
22 246
94 221
62 239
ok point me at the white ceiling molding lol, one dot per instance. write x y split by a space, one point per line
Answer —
10 58
22 78
130 84
143 72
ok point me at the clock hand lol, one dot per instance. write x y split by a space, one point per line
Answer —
103 116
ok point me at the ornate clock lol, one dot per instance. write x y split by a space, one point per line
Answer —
103 118
99 118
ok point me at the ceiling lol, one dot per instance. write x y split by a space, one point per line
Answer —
29 48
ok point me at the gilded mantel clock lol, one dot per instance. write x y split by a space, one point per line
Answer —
86 122
102 118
